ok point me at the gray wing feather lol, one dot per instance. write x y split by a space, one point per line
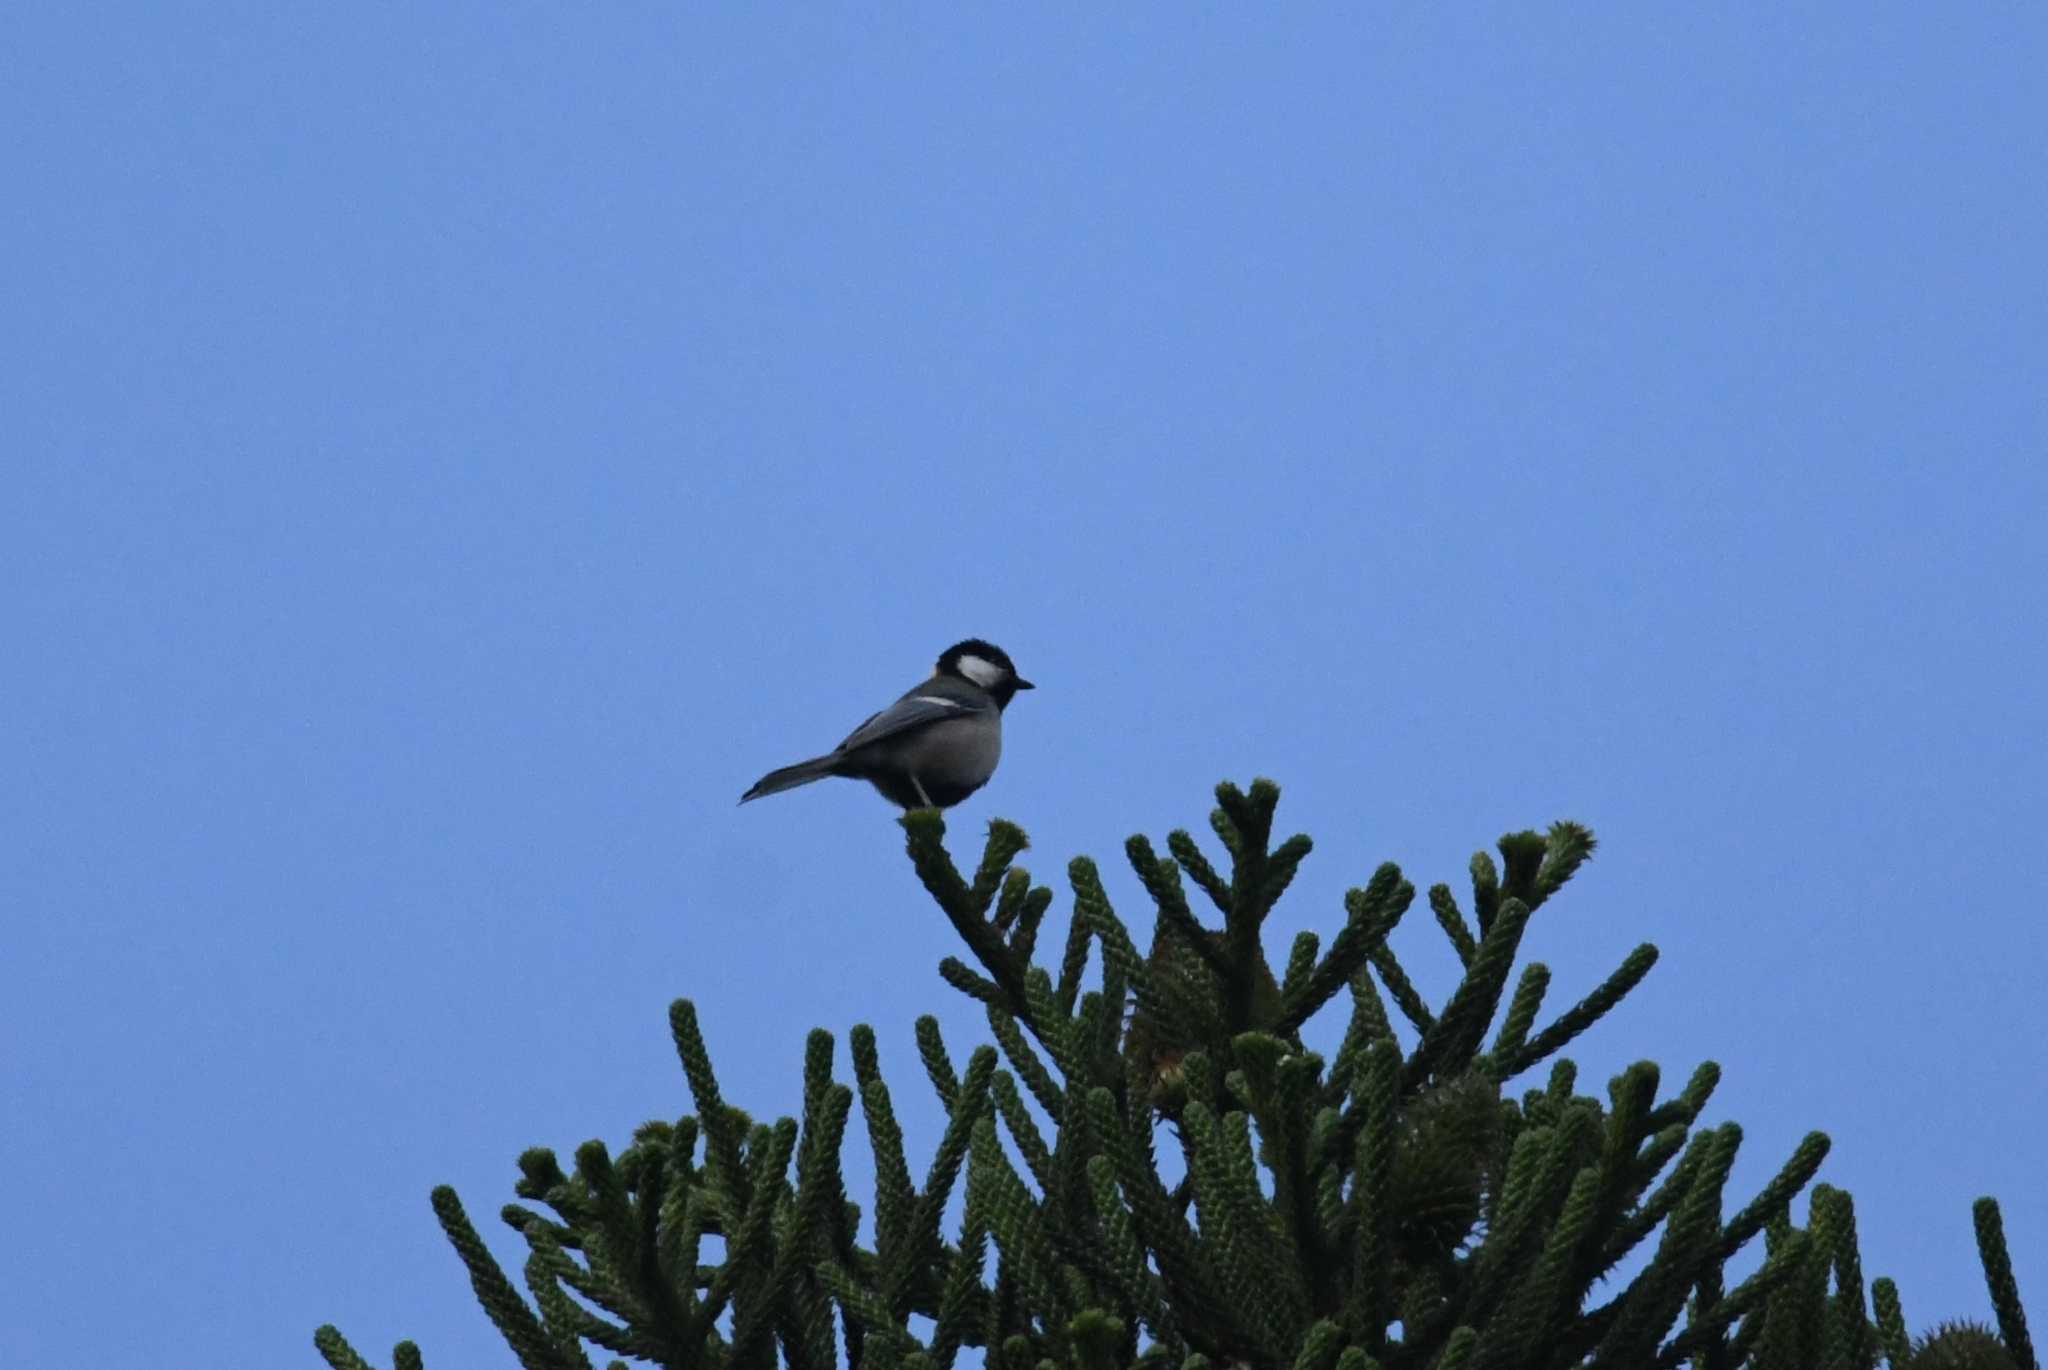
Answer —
914 710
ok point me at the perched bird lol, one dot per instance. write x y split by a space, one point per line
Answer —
933 747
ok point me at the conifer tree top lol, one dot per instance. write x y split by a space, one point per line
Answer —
1181 1150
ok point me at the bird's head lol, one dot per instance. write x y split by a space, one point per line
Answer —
983 664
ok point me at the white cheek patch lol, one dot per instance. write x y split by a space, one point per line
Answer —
980 670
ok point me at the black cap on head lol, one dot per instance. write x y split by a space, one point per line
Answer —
984 663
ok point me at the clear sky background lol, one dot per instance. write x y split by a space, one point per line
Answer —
451 454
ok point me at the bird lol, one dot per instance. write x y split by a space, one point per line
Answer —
934 746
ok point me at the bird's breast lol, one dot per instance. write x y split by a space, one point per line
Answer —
963 749
952 759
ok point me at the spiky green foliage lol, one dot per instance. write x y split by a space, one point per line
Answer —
1962 1346
1391 1207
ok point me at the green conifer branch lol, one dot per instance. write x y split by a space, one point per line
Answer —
1656 1154
894 1193
1448 1047
335 1350
682 1245
1190 859
1158 1221
1852 1317
861 1306
1123 1258
1706 1319
1337 1087
825 1135
1341 1139
1622 1174
965 906
1281 865
1098 1339
1164 1010
613 1247
1006 841
1204 1085
968 1104
818 1052
776 1303
1268 1236
1638 1223
1370 914
1523 1007
1099 1024
1036 900
1741 1346
541 1177
1243 822
2005 1290
722 1132
1686 1107
1319 1346
1372 1202
1827 1340
1451 919
1791 1333
1396 979
1282 1088
1161 879
1583 1014
960 1304
1653 1300
1566 847
1891 1323
1369 1023
567 1322
1060 1035
1458 1350
508 1312
1023 1130
1013 1219
1011 902
938 1066
1046 1091
749 1242
1522 855
1706 1339
676 1223
1551 1290
520 1218
1073 964
1485 890
1775 1196
1541 1174
1231 1230
1301 959
956 973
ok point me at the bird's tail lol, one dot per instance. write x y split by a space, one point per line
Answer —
789 777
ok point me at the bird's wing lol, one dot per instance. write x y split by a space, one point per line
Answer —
917 709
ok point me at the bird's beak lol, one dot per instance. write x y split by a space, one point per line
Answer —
1021 683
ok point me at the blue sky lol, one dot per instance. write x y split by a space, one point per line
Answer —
454 453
